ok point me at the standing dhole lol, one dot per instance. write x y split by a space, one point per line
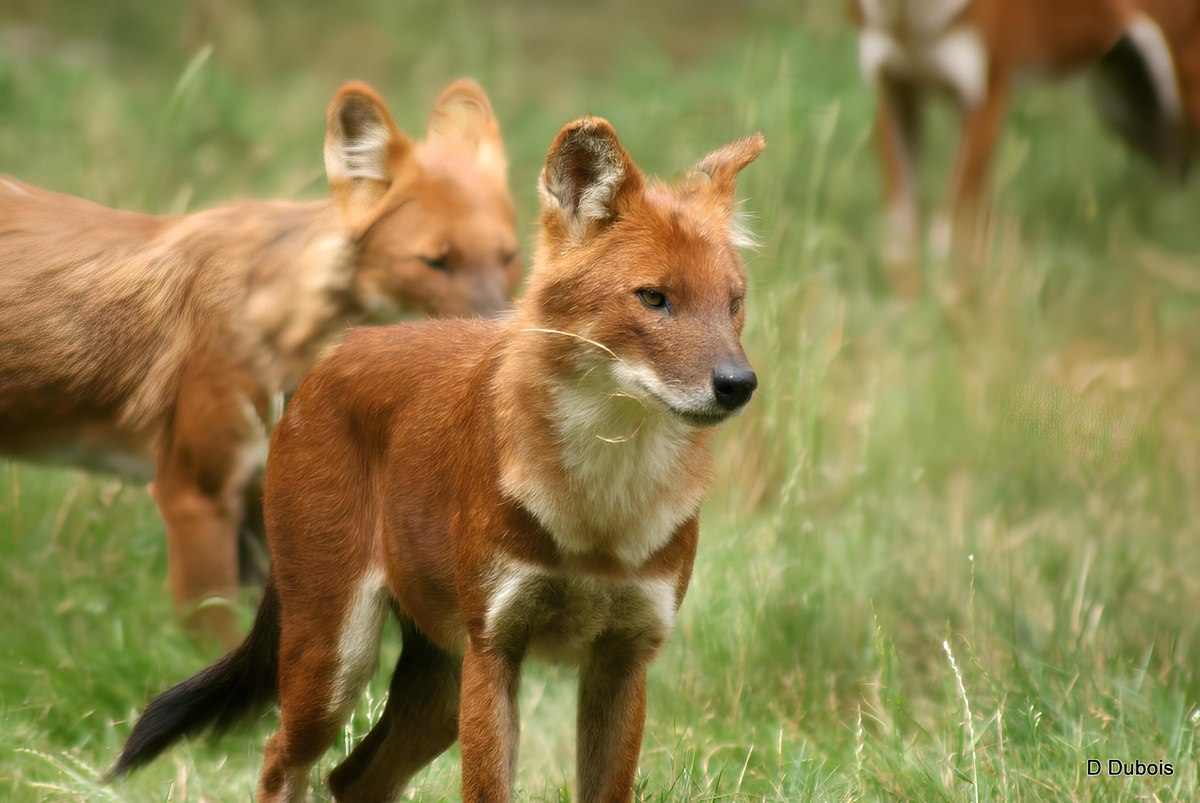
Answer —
972 51
154 345
507 489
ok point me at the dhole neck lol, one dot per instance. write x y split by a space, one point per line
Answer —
611 478
301 293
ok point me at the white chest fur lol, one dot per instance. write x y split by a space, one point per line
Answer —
622 484
556 616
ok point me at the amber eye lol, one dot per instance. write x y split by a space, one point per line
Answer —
735 307
437 263
652 298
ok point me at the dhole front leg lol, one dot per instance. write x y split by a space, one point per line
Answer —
612 713
488 724
898 128
964 224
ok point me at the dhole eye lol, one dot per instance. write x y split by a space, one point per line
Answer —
437 263
652 298
507 257
735 307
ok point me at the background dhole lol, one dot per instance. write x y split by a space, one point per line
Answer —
152 345
972 52
507 489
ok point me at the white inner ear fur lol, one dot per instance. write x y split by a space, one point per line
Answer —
592 201
363 156
595 202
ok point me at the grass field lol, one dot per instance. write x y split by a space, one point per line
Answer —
951 552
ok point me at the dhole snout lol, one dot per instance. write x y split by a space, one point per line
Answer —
509 489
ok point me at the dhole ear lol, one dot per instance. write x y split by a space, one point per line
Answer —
365 154
717 174
587 174
722 165
462 117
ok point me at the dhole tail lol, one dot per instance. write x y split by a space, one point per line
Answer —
236 687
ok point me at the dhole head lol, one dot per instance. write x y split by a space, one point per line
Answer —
649 272
433 221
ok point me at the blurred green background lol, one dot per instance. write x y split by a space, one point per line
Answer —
1009 477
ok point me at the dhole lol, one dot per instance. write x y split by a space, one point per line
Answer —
153 346
970 51
507 489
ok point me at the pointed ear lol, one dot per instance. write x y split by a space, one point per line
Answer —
587 176
717 173
722 165
365 154
463 118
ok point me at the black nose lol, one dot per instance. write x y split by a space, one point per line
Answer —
733 384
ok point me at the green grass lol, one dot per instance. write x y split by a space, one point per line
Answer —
1012 481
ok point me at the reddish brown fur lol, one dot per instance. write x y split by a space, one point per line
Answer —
515 488
1016 36
152 345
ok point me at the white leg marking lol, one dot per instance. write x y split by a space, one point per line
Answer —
358 641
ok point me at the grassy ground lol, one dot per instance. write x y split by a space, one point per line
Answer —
951 550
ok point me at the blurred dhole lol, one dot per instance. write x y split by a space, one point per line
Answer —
153 346
972 50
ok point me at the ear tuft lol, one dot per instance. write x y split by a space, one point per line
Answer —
364 151
586 170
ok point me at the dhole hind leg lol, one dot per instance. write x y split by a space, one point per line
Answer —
254 560
1138 95
198 490
328 651
419 722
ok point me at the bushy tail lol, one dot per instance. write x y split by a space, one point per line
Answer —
236 687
